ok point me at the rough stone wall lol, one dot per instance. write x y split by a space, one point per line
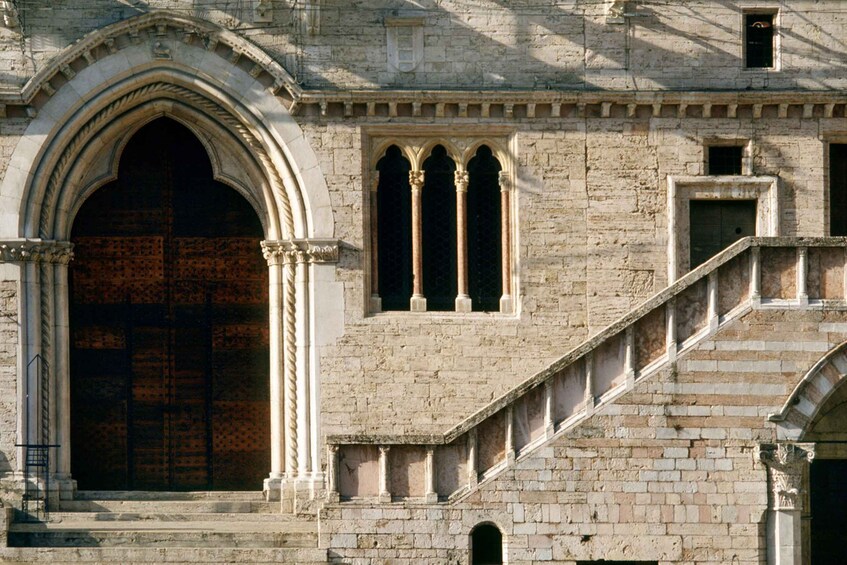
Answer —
668 472
525 44
8 374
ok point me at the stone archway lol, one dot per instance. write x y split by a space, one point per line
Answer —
89 101
808 504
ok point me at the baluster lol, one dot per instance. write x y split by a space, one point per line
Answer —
510 433
589 383
384 492
670 329
431 495
755 276
712 283
629 357
332 494
549 407
473 472
802 275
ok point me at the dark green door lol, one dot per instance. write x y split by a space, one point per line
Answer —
717 224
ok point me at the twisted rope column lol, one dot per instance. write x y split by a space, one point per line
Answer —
290 341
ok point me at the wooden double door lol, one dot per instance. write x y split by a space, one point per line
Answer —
169 326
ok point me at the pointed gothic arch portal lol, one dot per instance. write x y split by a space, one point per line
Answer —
168 326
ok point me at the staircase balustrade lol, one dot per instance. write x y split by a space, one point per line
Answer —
753 273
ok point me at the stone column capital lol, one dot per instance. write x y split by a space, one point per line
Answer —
416 179
785 463
505 181
461 179
300 251
36 251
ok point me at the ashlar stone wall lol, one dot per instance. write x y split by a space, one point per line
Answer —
493 45
591 217
668 472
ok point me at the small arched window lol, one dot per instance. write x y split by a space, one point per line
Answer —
486 545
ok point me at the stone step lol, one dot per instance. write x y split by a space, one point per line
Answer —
169 506
164 515
217 495
158 556
155 533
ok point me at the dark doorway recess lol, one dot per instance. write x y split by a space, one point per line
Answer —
169 326
486 545
717 224
829 510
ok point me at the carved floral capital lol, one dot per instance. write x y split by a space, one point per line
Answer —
505 180
300 251
10 16
36 251
785 463
462 179
416 179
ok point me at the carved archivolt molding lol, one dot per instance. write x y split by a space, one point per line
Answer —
785 463
123 103
160 29
10 14
300 251
810 394
36 251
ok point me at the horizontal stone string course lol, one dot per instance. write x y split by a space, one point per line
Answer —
584 105
765 273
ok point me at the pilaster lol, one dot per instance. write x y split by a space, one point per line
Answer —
786 463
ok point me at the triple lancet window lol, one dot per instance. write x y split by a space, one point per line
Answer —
440 234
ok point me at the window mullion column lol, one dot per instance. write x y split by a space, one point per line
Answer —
463 300
418 302
505 239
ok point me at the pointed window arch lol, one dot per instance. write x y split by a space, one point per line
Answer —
394 232
438 209
484 231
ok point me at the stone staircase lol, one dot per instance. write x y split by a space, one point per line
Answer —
754 273
140 527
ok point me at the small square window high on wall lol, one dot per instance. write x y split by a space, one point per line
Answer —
725 160
759 41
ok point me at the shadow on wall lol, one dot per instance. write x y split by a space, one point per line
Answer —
489 45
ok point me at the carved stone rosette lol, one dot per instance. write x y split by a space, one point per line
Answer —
300 251
36 251
786 463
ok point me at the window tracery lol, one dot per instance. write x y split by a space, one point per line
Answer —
441 226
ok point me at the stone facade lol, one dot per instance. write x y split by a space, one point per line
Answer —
607 111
